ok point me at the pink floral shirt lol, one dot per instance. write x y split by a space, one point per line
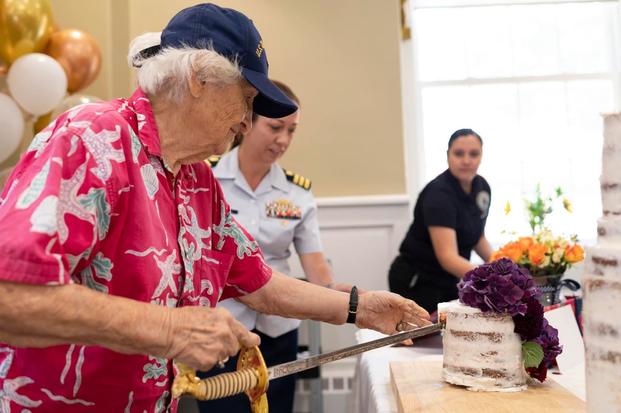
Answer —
92 202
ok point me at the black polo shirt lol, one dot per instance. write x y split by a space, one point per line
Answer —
443 203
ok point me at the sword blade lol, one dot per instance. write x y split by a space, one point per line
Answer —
292 367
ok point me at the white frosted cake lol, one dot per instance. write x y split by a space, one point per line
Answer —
602 285
481 350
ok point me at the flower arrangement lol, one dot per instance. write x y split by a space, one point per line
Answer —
540 207
543 253
504 287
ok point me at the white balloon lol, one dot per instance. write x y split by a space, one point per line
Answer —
37 82
11 126
72 101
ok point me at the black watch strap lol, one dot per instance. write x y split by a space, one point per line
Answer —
353 305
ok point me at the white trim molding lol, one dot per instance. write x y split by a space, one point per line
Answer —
357 201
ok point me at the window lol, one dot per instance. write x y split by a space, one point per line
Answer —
532 80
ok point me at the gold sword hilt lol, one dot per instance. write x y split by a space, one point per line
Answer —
250 378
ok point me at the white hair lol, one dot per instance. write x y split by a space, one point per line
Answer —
167 73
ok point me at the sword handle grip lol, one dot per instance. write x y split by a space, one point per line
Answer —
216 387
250 377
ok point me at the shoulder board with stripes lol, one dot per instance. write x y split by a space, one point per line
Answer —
298 180
213 160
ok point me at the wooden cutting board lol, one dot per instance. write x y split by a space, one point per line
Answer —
419 387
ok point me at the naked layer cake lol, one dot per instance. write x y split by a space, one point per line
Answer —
481 350
495 336
602 284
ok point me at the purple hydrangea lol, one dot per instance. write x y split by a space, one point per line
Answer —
500 286
504 287
548 340
529 325
540 372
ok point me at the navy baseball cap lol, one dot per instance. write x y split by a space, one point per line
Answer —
233 35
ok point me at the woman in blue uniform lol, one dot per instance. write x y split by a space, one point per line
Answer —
449 222
278 208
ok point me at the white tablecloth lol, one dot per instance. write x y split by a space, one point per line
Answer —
371 388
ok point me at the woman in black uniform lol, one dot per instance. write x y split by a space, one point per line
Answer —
449 222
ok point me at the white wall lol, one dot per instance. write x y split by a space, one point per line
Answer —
361 236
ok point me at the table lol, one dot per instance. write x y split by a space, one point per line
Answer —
371 388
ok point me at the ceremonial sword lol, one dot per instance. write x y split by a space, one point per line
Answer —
252 376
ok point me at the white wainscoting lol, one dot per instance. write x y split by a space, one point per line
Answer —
361 236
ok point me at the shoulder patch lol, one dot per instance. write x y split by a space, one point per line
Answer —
298 180
213 160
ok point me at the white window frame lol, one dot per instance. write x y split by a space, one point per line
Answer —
414 145
434 4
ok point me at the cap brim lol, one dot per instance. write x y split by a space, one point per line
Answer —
271 102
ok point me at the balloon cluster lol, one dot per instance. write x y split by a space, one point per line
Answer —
42 64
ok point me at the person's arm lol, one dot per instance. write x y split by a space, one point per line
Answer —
444 241
378 310
43 315
318 271
483 248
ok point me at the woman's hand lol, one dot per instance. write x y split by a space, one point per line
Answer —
202 337
382 311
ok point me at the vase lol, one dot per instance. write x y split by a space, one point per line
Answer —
551 286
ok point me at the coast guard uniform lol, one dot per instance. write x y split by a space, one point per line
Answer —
281 212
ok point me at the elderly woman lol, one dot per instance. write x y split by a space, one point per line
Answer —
117 239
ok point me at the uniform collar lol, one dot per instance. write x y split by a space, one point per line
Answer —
278 178
455 183
228 168
147 128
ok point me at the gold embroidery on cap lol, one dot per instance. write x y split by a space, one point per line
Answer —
259 50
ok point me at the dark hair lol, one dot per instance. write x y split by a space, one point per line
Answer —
463 132
286 90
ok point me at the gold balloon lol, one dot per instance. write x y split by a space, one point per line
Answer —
25 27
4 175
42 122
78 54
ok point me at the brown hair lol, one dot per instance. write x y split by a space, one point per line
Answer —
287 91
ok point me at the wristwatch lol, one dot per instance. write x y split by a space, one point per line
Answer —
353 305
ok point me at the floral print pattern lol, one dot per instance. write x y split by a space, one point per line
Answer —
92 202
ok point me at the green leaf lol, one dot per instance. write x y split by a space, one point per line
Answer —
532 353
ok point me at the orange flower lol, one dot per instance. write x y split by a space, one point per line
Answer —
536 253
525 243
496 255
513 251
574 254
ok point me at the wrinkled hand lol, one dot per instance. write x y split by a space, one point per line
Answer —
382 311
201 337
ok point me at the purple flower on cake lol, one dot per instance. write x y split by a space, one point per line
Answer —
529 325
504 287
500 286
548 340
523 279
540 373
